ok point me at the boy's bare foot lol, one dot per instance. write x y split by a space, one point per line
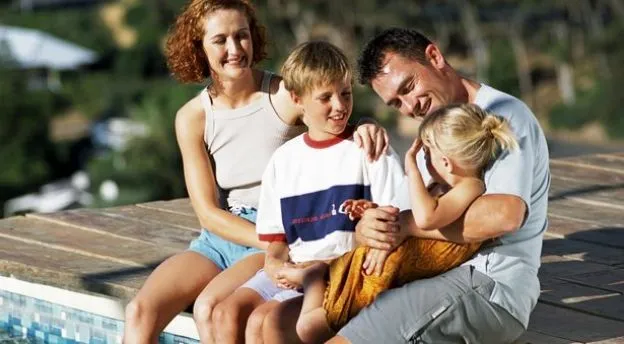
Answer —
298 274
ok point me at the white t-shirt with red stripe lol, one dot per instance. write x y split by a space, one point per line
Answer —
304 186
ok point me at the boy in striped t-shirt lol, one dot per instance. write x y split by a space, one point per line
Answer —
308 179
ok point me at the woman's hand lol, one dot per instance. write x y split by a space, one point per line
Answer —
372 138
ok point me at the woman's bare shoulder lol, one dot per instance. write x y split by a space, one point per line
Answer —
191 115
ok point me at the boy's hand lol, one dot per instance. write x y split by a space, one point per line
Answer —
272 267
372 138
374 261
411 168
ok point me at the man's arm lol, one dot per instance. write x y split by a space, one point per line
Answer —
489 216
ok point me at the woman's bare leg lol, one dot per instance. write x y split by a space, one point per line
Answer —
253 331
211 305
171 287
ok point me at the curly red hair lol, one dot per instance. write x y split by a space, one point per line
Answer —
184 52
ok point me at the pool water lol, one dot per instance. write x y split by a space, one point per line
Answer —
26 319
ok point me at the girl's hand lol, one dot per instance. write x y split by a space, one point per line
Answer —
374 261
356 208
372 138
410 157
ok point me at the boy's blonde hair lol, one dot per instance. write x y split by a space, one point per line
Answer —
314 64
467 134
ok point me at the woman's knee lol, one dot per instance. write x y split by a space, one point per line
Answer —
203 309
140 313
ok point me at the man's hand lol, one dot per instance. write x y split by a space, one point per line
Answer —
379 228
374 261
372 138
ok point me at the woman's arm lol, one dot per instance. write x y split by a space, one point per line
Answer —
201 183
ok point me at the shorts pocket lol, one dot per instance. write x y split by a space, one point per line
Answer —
427 319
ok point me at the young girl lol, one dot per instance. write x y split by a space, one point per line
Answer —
459 141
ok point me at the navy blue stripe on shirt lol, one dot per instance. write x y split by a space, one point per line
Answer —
314 215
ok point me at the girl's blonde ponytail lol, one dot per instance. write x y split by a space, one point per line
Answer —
467 134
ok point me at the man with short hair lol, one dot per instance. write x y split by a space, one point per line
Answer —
489 298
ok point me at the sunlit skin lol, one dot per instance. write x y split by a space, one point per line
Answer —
227 44
434 163
417 89
327 109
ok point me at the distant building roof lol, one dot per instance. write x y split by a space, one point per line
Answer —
29 48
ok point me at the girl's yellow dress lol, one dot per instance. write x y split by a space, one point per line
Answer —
349 290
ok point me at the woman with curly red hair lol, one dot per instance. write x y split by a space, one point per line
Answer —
226 135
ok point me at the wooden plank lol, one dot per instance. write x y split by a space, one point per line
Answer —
585 230
619 340
602 195
88 243
69 270
151 216
163 235
532 337
608 304
567 170
180 206
608 279
560 266
585 251
599 161
573 325
574 209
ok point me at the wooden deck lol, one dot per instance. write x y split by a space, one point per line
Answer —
111 251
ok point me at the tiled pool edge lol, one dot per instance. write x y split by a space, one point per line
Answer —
182 325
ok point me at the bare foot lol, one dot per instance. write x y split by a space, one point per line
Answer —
298 274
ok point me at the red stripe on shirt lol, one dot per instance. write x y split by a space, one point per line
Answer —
272 237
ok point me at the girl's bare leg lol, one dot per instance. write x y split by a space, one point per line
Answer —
171 287
253 332
312 326
208 306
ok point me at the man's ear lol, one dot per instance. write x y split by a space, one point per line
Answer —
434 56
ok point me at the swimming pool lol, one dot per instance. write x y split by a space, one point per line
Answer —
40 313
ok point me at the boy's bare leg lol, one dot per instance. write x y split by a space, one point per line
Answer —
253 331
232 314
279 326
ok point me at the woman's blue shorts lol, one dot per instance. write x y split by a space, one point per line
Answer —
222 252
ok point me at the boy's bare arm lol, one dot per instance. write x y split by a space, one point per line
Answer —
277 255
